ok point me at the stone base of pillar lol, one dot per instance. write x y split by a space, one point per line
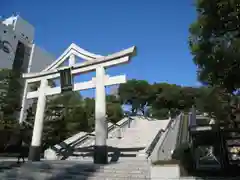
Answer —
50 154
34 153
100 155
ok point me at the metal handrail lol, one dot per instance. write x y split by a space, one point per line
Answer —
154 142
87 136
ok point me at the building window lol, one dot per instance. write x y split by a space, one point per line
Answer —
4 31
14 37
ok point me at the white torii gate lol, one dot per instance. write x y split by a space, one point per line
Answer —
93 63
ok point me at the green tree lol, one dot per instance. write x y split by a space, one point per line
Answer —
215 43
10 90
114 109
89 106
54 130
166 97
213 101
64 116
4 84
188 96
135 93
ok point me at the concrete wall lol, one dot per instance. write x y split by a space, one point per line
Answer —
40 59
167 143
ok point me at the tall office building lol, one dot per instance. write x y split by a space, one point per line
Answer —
114 91
18 50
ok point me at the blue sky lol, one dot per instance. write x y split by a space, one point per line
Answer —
158 28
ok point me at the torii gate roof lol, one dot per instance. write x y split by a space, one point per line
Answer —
87 56
91 60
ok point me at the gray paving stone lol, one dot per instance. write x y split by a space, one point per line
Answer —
50 170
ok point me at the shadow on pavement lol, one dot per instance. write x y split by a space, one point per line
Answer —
60 170
47 170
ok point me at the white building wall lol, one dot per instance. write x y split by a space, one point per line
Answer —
21 27
10 21
8 44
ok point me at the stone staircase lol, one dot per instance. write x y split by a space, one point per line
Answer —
133 143
83 139
127 158
75 170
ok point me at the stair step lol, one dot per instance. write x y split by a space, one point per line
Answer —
41 176
76 172
108 174
86 163
125 167
119 169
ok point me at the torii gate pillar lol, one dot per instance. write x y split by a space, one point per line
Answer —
35 149
100 148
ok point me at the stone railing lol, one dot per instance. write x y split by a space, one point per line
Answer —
160 149
154 143
82 138
157 138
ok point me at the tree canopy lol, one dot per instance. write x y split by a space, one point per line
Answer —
158 99
215 43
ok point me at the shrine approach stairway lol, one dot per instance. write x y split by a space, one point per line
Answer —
127 158
132 145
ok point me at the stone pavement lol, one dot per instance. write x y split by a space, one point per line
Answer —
74 170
